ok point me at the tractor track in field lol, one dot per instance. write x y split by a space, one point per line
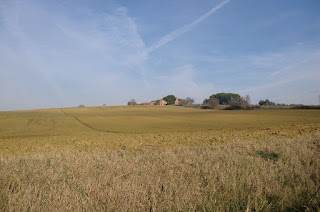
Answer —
87 125
99 130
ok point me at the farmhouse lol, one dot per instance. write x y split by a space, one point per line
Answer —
154 102
176 101
161 102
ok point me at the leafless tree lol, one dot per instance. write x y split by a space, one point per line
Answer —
238 104
247 99
190 100
183 102
213 102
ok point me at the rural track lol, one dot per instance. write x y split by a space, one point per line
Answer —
87 125
99 130
109 131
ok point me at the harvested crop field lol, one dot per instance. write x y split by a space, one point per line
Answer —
149 158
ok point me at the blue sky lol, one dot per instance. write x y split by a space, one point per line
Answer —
68 52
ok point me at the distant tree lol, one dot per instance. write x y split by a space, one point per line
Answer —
205 101
132 102
213 103
238 104
104 105
190 100
170 99
225 98
183 102
81 106
281 104
247 99
266 102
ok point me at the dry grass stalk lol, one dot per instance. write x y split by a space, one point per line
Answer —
219 177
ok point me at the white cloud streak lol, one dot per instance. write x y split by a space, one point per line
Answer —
173 35
58 61
289 76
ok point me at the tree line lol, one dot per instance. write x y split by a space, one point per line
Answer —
230 101
233 100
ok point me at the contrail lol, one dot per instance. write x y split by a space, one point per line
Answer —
173 35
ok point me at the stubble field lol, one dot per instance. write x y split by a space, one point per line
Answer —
145 158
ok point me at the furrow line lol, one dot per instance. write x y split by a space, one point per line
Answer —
87 125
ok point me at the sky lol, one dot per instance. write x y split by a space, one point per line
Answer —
64 53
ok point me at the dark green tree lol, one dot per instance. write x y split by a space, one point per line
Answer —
266 102
170 99
225 98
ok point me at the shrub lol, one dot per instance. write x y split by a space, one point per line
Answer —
305 107
238 104
190 100
206 107
254 107
183 102
213 102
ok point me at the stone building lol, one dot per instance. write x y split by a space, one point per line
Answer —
154 102
161 102
176 101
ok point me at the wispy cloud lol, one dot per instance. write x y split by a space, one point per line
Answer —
67 58
285 73
178 32
85 53
281 75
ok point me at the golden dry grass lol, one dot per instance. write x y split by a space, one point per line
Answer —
159 159
139 127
